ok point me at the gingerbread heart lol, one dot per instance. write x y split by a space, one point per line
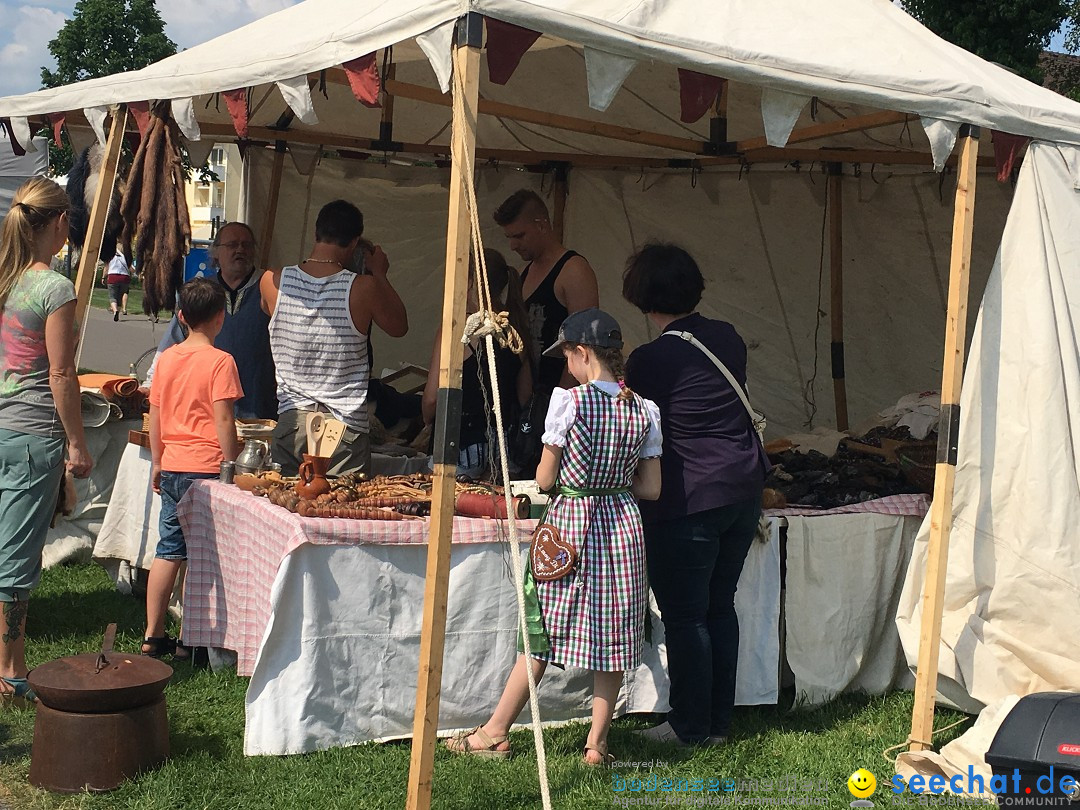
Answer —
551 557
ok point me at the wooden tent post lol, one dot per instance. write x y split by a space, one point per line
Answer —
933 597
836 298
447 420
99 214
272 204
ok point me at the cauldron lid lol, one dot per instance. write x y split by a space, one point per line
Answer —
107 670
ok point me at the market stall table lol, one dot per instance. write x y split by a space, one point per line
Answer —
128 536
325 616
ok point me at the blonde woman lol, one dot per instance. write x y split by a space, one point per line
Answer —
40 414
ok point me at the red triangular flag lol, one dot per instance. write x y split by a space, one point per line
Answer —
57 121
697 92
140 111
1006 149
363 76
237 102
506 44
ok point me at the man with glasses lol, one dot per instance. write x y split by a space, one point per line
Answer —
246 333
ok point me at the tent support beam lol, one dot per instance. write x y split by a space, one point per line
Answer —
272 204
858 123
431 95
466 57
99 214
933 596
836 298
265 136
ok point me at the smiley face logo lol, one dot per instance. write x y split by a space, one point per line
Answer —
862 784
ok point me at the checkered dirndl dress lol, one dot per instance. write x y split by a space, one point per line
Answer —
595 616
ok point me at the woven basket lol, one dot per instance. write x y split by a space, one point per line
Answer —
918 462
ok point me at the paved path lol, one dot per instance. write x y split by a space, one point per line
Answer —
113 347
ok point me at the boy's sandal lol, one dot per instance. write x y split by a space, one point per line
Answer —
606 756
459 744
157 646
20 696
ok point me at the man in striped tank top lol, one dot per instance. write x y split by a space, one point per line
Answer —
320 318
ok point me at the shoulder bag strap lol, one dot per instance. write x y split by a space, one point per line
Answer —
693 341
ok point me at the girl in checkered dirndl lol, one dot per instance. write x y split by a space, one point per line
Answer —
601 450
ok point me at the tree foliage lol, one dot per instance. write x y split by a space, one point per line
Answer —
101 38
1012 33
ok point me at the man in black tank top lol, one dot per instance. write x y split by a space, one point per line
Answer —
555 283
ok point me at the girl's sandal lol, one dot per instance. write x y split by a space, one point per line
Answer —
20 696
606 757
157 646
459 744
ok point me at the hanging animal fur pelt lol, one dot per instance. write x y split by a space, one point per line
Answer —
81 188
155 212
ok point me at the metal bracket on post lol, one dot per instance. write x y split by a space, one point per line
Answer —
969 131
948 434
470 30
447 412
386 142
834 167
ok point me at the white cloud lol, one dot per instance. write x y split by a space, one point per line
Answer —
187 22
24 45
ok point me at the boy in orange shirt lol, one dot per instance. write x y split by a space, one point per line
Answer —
192 430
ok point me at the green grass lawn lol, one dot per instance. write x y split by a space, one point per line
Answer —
70 610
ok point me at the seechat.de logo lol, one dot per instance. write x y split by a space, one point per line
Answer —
862 785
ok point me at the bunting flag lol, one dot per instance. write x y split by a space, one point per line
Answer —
364 80
297 94
1007 149
183 112
57 121
697 92
237 102
780 111
606 73
506 45
140 111
436 47
16 147
942 135
96 116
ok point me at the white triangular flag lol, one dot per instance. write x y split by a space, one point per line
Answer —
297 94
606 73
183 112
780 111
96 117
436 47
942 135
80 138
305 158
199 152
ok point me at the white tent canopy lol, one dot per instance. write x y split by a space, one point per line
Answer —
866 52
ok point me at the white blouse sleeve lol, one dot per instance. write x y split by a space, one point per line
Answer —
654 439
562 411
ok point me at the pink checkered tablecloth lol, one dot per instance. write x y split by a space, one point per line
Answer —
236 542
913 505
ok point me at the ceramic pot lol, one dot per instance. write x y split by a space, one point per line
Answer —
313 481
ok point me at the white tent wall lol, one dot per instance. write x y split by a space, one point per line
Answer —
16 170
1013 582
757 239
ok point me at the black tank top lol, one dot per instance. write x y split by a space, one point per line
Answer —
546 314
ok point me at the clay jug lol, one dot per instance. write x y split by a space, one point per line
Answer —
313 481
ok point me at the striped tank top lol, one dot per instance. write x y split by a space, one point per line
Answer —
320 356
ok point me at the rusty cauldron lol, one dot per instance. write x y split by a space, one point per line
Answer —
101 719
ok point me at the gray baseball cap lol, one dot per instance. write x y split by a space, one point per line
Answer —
590 327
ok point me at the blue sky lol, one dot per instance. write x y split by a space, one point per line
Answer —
26 28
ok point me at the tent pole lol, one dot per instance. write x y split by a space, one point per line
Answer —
933 597
272 204
836 276
447 421
99 214
558 190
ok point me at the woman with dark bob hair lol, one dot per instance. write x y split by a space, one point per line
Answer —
698 533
